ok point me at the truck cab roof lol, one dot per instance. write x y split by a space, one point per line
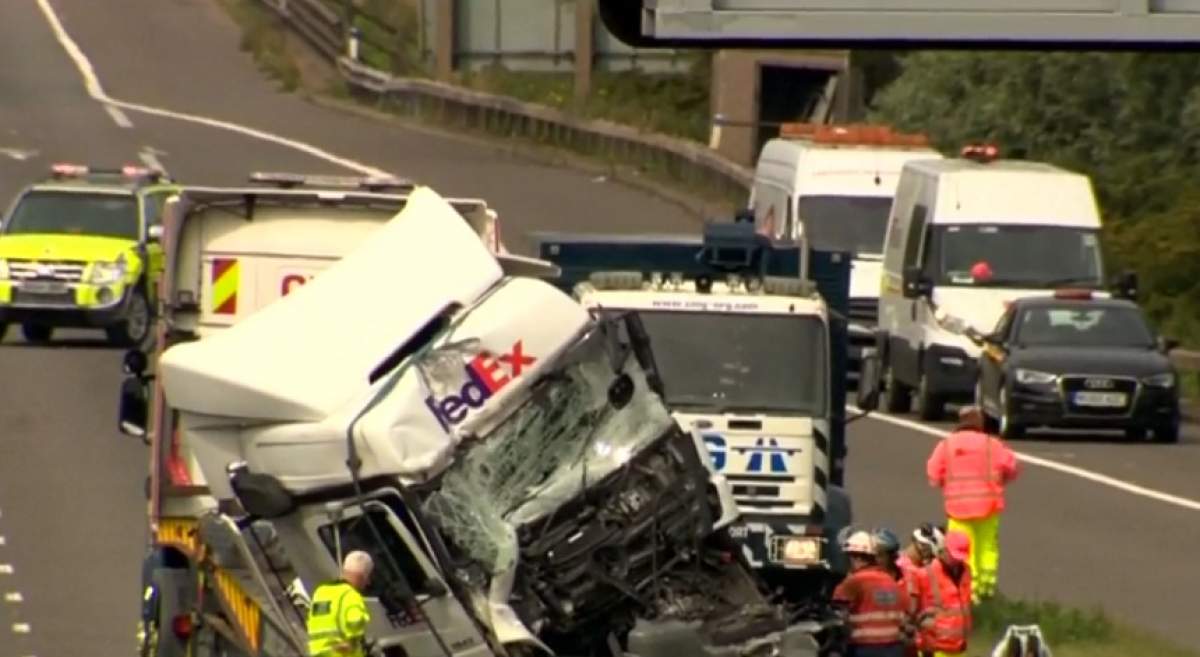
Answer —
264 368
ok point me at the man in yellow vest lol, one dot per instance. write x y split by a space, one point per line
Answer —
337 615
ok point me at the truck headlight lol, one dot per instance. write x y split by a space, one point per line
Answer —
1035 377
797 550
106 273
1164 380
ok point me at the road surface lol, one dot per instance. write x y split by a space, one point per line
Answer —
71 503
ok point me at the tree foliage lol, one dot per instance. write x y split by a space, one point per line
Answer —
1131 121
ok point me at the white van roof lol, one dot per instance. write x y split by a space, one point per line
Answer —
1008 192
837 169
302 356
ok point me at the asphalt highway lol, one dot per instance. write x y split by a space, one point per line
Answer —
71 503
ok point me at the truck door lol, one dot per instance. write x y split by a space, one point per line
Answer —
407 592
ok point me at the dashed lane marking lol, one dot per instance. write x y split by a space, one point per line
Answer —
13 597
6 569
96 91
1082 473
21 628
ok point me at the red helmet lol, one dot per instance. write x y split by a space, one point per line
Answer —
981 271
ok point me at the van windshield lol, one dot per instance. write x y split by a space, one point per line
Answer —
1014 256
845 223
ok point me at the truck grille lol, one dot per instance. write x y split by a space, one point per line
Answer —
761 492
70 271
1099 383
864 311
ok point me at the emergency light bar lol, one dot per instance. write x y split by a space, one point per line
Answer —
857 134
982 153
290 180
67 170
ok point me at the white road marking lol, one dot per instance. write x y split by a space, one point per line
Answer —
149 157
118 116
3 541
96 91
13 596
18 154
21 628
6 569
1089 475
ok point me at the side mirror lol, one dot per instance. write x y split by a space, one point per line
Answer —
1127 285
866 397
133 409
915 284
155 233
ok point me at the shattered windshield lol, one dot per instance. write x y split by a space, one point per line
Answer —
565 437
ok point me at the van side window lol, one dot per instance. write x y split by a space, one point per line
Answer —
916 232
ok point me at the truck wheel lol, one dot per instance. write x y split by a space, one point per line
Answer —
929 407
3 330
897 397
135 325
36 333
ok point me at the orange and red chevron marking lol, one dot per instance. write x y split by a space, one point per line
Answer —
225 273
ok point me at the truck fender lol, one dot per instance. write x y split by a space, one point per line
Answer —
838 515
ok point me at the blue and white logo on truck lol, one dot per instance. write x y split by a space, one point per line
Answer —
765 456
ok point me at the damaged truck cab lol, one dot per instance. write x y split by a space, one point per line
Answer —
751 352
505 458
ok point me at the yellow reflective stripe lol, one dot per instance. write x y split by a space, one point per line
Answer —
243 608
182 533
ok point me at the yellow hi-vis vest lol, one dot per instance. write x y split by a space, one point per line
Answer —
337 621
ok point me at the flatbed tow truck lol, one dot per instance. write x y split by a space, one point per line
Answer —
505 458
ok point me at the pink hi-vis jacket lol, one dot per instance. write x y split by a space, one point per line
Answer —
971 468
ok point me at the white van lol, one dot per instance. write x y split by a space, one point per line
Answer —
965 237
833 185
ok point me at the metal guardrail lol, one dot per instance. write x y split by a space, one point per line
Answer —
688 162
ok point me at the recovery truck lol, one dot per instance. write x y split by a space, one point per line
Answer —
750 341
229 252
505 459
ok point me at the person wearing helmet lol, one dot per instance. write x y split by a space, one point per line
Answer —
873 599
887 551
944 620
972 470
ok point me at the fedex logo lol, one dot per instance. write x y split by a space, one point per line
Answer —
486 375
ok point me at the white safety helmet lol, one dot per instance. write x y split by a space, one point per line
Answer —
859 542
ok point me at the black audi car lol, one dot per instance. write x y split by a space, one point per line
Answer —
1071 361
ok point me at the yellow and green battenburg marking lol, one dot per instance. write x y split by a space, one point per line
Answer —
225 285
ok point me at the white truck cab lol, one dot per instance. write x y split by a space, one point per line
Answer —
833 186
965 237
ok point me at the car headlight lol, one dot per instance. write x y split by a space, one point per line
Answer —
1035 377
3 269
1164 380
104 273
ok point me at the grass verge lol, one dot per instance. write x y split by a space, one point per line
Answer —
1068 632
264 37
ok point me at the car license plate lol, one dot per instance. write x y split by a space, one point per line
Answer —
1100 399
44 287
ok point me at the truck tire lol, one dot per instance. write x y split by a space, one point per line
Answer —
136 325
897 397
3 330
929 407
36 333
1167 433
